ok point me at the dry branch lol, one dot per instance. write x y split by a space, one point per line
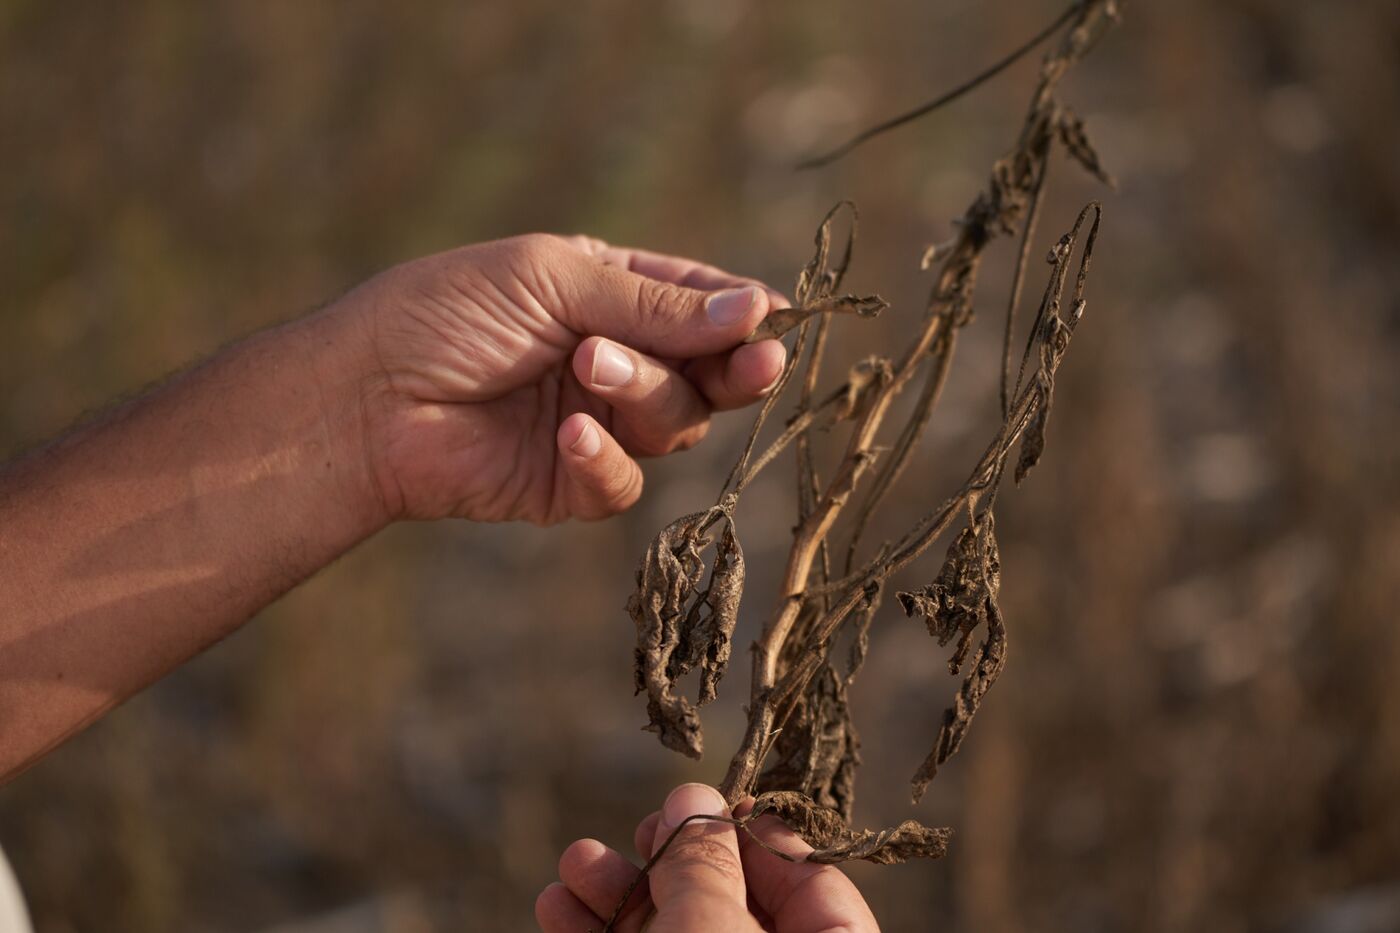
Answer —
798 712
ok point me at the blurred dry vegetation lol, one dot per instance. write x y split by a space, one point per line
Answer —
1199 726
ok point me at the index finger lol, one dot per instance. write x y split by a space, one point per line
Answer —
677 270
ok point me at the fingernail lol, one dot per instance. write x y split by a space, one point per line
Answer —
724 308
588 443
611 367
691 800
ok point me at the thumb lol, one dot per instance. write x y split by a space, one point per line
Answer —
698 884
656 317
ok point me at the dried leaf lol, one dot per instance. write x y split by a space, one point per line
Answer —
860 640
678 628
833 841
715 625
909 840
1070 129
986 667
818 750
813 275
783 320
818 826
962 596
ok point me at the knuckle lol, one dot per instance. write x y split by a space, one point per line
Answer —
706 862
661 301
614 490
648 443
534 247
589 244
676 419
657 440
656 392
720 912
629 490
649 386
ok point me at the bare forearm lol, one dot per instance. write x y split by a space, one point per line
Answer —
137 541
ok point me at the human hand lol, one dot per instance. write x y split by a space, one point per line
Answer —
711 878
518 379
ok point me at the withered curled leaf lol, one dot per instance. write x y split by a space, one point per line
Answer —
963 596
783 320
986 667
977 569
707 636
909 840
833 841
678 627
1070 129
860 627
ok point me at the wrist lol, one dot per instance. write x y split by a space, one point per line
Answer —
338 343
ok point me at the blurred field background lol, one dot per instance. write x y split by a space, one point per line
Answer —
1199 726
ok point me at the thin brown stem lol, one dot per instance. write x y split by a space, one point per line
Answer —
1018 281
947 97
808 482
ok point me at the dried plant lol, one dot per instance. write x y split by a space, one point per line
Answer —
800 752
